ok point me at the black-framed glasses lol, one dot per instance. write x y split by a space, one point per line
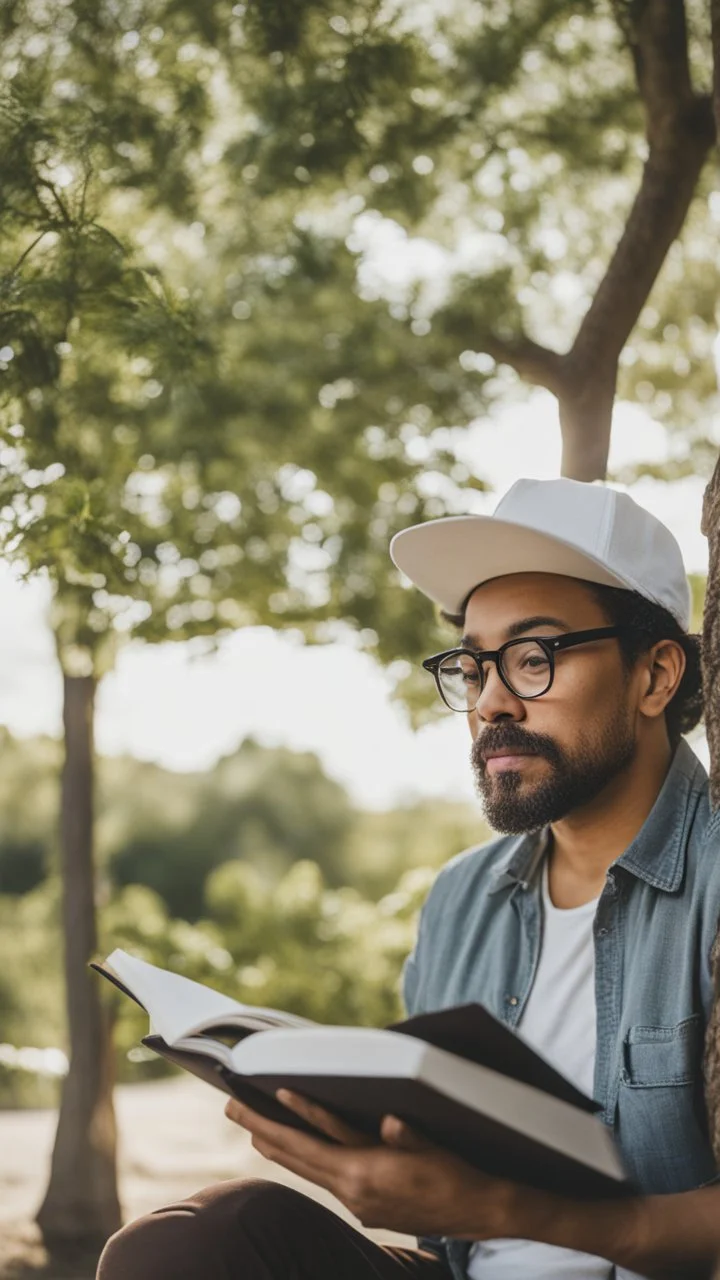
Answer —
526 666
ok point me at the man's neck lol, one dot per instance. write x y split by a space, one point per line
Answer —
585 843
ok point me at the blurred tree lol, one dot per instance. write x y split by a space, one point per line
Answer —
84 326
509 143
143 525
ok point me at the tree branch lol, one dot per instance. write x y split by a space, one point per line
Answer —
657 35
534 363
26 253
715 40
680 132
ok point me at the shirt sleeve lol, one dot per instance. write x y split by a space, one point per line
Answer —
410 984
415 965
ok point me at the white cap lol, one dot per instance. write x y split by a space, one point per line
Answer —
585 531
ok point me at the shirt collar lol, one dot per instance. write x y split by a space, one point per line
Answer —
519 865
656 855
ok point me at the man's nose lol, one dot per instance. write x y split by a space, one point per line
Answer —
496 701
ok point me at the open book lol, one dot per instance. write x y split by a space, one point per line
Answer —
459 1076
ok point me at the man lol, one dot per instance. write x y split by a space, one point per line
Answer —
587 926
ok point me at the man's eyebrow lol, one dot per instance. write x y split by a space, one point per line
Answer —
520 627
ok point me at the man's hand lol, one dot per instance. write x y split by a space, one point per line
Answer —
402 1183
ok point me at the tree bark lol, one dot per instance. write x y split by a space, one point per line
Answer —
711 684
711 694
711 632
81 1203
585 423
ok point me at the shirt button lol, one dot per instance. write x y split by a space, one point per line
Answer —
602 933
513 1000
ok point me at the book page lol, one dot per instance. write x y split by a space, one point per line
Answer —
179 1007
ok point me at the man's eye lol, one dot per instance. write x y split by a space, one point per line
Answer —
535 661
468 675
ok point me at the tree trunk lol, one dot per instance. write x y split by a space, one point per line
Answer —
711 683
81 1203
585 423
711 693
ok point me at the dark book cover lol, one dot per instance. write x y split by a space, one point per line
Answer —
362 1101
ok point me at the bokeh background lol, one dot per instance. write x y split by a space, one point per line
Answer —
277 280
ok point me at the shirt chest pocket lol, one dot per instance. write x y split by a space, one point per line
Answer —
656 1057
661 1112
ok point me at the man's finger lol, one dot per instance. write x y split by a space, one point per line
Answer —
324 1120
294 1164
396 1133
315 1153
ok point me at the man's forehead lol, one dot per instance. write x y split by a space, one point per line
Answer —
543 598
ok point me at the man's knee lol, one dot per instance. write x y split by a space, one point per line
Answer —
197 1238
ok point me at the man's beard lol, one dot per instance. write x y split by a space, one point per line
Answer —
514 803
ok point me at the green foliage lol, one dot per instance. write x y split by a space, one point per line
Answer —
31 997
512 137
116 350
267 807
215 415
23 865
289 896
384 846
27 830
328 954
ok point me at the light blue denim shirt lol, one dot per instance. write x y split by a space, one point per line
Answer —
479 939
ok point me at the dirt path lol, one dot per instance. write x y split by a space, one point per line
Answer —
174 1138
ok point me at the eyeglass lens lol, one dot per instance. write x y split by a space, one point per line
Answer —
525 665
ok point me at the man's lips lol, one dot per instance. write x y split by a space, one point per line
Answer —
498 758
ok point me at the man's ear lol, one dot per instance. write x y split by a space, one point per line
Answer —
663 667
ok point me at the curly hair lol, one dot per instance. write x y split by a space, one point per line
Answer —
646 623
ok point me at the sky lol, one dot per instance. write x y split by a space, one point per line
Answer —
167 704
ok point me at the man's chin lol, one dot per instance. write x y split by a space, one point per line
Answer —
514 804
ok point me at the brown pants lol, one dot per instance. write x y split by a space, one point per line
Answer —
254 1230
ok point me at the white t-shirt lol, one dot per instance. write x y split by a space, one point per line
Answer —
559 1020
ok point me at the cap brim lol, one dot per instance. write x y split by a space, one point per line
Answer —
446 559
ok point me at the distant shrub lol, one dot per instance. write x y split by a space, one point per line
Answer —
23 865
